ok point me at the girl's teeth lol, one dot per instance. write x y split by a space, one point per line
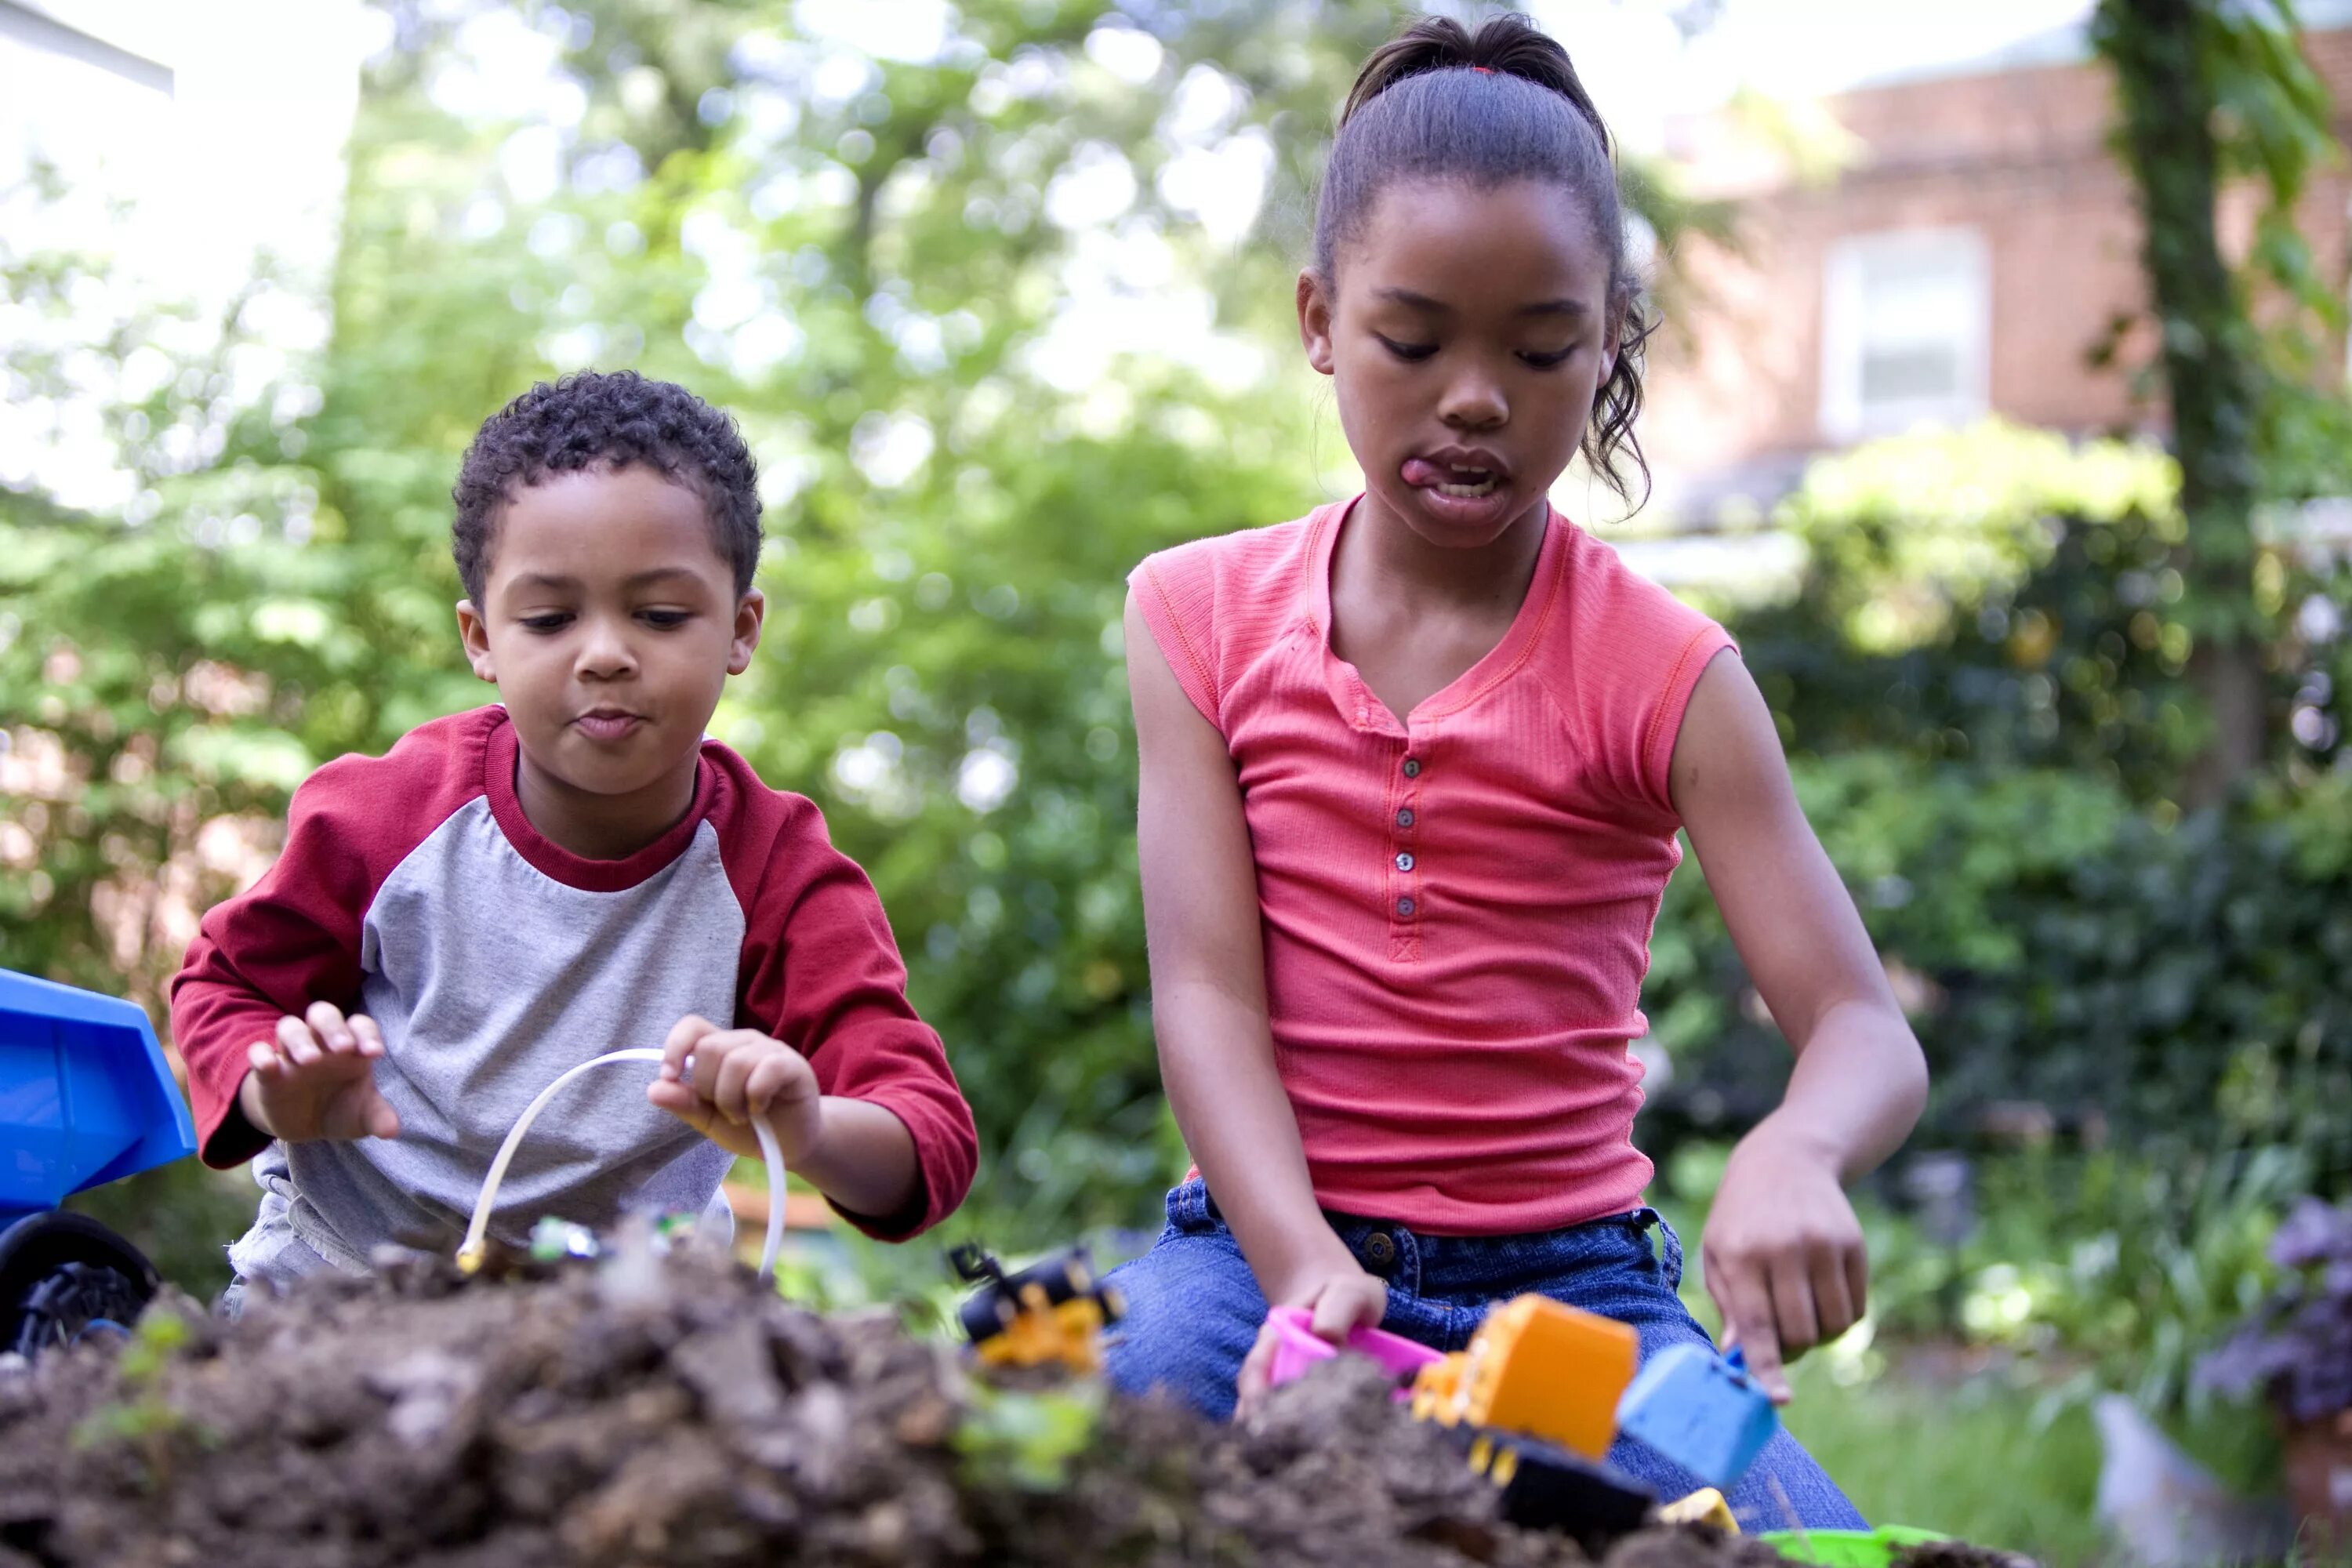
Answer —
1485 485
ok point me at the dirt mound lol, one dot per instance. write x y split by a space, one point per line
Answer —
672 1412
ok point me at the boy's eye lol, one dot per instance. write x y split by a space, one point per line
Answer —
1546 361
554 621
1411 353
664 619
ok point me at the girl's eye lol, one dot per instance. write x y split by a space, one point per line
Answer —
1548 361
664 619
555 621
1411 353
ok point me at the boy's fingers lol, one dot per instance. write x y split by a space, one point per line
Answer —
294 1037
383 1121
681 1102
262 1057
326 1021
733 1093
767 1080
681 1042
370 1038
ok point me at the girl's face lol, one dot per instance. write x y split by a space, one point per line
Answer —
1469 333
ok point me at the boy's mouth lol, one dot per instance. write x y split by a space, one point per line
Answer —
606 723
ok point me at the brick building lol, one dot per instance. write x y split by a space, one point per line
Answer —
1971 244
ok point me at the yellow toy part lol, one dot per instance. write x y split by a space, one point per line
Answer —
1039 1333
1549 1371
1705 1506
1437 1390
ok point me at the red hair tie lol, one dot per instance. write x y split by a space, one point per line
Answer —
1481 70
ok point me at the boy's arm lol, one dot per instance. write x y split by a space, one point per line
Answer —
823 975
267 954
1782 1249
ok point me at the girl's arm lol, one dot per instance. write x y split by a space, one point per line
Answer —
1208 1006
1782 1249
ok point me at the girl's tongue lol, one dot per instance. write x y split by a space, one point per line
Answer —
1422 474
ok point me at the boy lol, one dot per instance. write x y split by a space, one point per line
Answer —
513 890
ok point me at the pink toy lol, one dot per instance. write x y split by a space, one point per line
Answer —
1296 1346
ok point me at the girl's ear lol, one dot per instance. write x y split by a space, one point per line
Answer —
1315 306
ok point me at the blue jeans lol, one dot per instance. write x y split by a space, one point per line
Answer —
1193 1309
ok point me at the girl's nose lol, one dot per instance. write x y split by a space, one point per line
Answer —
1474 401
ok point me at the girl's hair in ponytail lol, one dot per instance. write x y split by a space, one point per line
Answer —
1438 101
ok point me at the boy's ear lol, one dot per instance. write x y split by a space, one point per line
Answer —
476 635
751 614
1315 320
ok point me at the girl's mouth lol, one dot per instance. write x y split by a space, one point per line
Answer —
1457 481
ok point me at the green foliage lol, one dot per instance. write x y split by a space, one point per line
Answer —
1979 684
1024 1440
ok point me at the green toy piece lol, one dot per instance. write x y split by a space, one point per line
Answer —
1847 1548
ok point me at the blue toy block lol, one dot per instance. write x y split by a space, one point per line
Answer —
86 1096
1701 1410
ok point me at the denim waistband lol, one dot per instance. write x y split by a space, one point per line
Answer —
1473 1267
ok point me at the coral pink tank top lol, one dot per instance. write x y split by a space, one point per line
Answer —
1457 906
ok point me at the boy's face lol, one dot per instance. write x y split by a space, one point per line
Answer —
610 623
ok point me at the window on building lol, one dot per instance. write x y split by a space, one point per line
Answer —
1905 328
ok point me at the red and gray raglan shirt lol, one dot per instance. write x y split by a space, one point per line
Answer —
413 889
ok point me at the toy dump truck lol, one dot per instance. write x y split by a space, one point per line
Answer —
1053 1310
1541 1392
86 1098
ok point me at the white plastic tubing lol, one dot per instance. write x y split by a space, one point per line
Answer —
483 1204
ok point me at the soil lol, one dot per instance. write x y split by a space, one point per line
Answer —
670 1411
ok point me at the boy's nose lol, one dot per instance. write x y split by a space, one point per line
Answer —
604 653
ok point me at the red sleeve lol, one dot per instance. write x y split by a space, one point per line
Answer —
293 938
822 972
1176 594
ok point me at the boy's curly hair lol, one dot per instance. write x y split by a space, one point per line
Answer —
614 419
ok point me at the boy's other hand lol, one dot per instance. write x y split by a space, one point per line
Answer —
1783 1252
716 1080
1339 1297
317 1079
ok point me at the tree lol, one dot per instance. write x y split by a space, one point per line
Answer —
2207 89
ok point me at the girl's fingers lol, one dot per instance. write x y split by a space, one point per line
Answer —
326 1021
1832 1304
1857 1279
1250 1386
1796 1319
295 1039
1746 1303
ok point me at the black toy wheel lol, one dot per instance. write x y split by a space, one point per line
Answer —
63 1276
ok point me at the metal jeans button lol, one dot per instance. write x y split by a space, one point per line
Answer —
1380 1251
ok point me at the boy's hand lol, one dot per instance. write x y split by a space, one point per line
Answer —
736 1075
1783 1253
317 1079
1338 1296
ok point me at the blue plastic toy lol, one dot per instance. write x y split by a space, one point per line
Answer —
1700 1410
86 1098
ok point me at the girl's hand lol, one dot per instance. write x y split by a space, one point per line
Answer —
716 1080
317 1079
1783 1253
1342 1297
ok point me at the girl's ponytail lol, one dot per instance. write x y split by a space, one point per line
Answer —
1502 103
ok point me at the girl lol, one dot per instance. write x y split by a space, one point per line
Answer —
1411 772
